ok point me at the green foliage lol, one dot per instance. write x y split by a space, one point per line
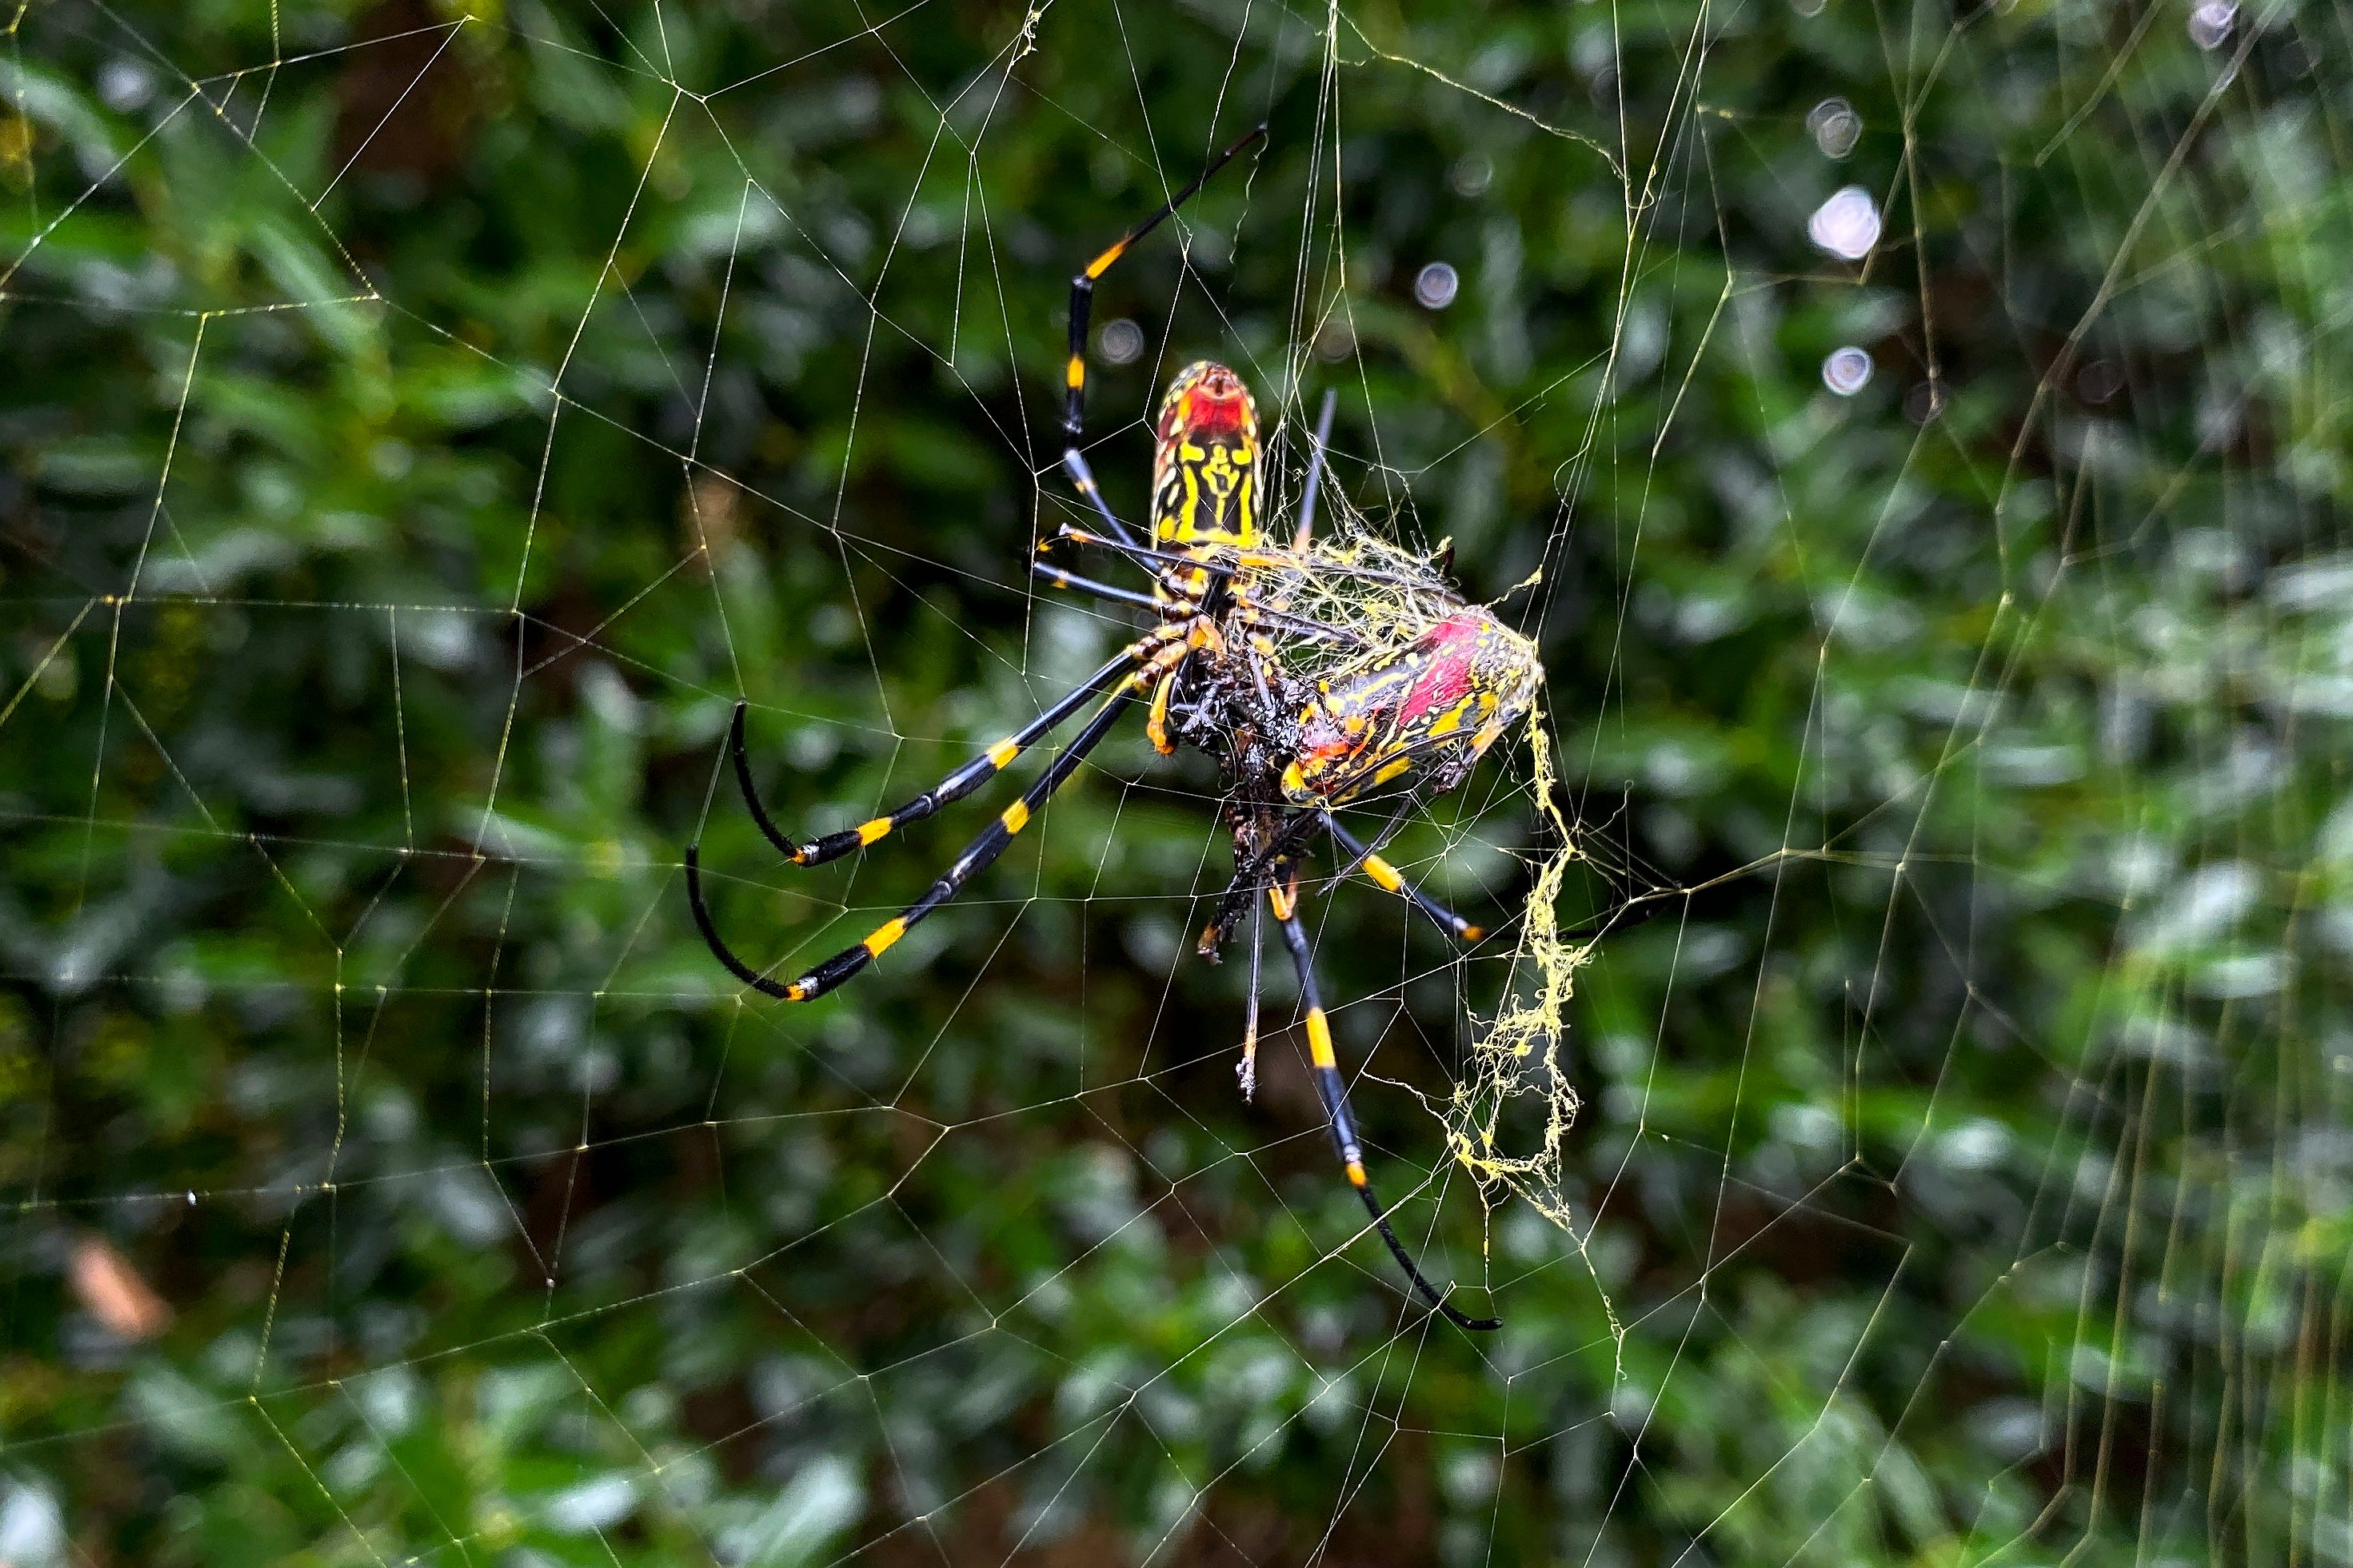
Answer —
421 425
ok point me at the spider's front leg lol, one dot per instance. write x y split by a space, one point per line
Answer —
963 782
1136 669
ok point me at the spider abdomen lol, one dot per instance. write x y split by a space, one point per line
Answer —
1206 461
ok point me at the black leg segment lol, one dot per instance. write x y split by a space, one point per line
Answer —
1046 572
953 788
1335 1092
1083 287
1390 879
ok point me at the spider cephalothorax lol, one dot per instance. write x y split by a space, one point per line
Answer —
1318 671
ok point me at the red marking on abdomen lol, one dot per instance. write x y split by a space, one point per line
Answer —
1219 416
1208 400
1448 645
1202 414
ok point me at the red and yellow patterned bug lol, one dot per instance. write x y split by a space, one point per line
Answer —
1317 670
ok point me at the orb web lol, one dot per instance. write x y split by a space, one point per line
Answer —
1897 1116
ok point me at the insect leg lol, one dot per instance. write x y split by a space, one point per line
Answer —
1083 480
1390 878
976 855
1247 1070
1314 474
1250 877
1328 1083
1077 585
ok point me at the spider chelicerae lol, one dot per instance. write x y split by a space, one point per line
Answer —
1318 671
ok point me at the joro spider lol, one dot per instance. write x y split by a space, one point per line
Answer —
1318 672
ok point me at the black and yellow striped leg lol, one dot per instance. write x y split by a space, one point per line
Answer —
953 788
1335 1092
1082 295
1390 878
1306 535
825 976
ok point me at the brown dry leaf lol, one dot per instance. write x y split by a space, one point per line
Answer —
114 1292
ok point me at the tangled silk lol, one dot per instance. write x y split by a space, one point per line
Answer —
1513 1067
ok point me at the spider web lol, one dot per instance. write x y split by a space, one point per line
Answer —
1900 1118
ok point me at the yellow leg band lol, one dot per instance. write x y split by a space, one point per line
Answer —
1002 753
1076 375
1356 1173
1319 1039
1016 816
868 831
880 942
1382 872
1101 263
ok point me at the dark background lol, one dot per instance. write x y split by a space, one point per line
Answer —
416 429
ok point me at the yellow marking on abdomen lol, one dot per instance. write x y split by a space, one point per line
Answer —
880 942
1391 770
1319 1039
1382 872
1450 721
868 831
1016 816
1001 754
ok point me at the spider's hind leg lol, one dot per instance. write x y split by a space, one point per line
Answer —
977 855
